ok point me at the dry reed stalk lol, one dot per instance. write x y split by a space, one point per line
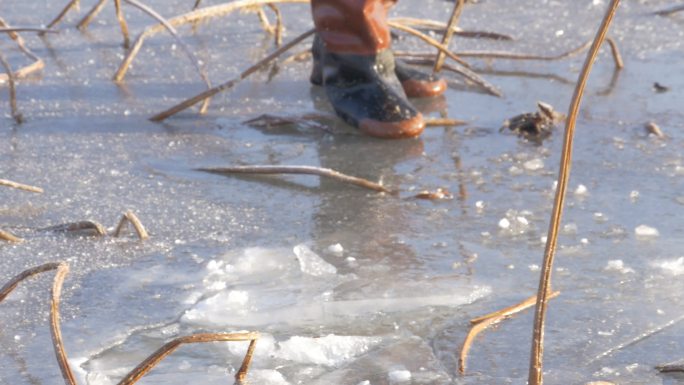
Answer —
313 120
60 16
20 186
190 18
122 21
174 33
536 355
67 374
468 74
14 282
444 122
85 227
168 348
617 58
669 11
279 24
263 19
37 64
480 324
229 84
129 216
12 90
673 367
62 270
648 333
427 39
448 33
9 237
297 57
27 29
308 170
94 11
439 26
501 54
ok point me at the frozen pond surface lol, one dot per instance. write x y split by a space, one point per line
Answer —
345 285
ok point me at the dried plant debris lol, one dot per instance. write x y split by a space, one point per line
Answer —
672 367
535 125
669 11
268 121
130 217
84 228
20 186
150 362
440 27
438 194
308 170
480 324
654 129
95 229
230 83
659 88
11 89
9 237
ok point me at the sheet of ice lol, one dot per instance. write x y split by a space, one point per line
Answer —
265 286
311 263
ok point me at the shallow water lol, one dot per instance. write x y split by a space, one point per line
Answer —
392 302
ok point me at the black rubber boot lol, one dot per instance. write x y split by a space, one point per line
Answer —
416 84
365 92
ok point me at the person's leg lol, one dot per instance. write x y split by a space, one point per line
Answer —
356 67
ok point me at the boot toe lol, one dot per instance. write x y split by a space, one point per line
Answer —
424 88
407 128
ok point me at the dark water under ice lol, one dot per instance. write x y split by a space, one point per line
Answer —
346 286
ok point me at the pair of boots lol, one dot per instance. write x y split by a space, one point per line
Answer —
366 86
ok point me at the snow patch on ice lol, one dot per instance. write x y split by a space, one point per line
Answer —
618 265
331 350
398 376
674 266
646 231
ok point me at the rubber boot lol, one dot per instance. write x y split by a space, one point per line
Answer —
416 84
357 68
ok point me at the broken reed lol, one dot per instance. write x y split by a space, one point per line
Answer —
145 366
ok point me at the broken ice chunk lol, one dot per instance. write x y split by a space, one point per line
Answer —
504 223
646 231
581 190
674 267
534 164
310 263
336 250
398 376
330 350
618 265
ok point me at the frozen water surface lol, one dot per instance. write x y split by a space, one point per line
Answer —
346 286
